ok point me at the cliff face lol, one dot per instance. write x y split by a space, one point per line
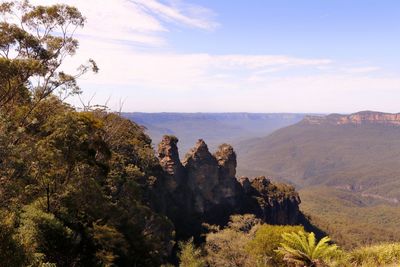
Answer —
359 118
277 201
204 188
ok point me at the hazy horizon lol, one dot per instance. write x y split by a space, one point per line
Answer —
246 112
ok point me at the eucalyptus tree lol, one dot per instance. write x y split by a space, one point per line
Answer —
34 42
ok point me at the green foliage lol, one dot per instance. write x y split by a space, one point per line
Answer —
301 249
376 255
81 192
110 242
278 190
243 223
267 240
45 238
33 48
227 247
11 251
265 245
190 256
248 242
75 180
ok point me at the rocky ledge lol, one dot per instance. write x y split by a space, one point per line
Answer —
203 188
359 118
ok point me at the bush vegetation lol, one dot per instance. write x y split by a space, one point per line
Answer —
248 242
376 255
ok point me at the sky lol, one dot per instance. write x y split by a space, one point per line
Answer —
318 56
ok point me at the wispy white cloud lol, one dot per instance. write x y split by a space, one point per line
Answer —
255 83
366 69
186 14
120 65
137 21
261 61
167 80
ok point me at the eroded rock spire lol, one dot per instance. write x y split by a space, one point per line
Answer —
169 160
204 187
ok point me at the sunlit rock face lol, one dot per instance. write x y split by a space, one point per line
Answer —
204 188
359 118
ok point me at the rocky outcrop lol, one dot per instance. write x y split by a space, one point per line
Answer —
202 175
204 188
359 118
170 162
278 202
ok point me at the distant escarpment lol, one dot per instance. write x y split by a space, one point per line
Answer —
358 153
359 118
203 188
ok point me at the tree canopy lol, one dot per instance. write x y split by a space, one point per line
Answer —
74 186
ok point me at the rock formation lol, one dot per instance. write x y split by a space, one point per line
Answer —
359 118
278 202
170 162
204 189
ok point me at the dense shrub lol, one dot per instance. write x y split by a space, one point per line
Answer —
267 240
376 255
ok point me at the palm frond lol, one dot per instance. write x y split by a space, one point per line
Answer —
302 249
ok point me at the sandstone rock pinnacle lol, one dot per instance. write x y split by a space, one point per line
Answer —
169 160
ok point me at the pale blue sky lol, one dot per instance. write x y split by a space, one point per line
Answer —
231 56
362 30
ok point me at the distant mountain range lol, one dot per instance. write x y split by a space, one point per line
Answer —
358 152
347 168
214 128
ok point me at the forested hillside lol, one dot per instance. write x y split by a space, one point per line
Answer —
346 167
346 155
351 219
